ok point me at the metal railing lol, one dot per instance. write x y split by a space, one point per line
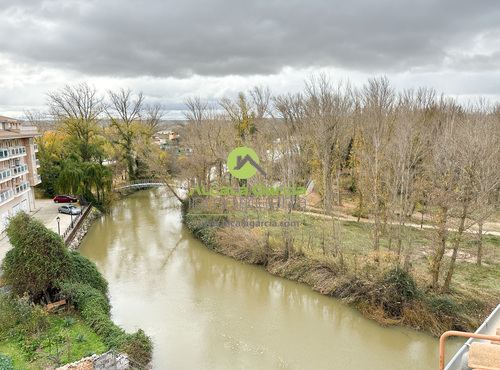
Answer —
6 194
19 169
453 333
77 220
4 174
145 181
22 187
17 150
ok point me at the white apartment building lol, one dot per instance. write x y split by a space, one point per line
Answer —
18 168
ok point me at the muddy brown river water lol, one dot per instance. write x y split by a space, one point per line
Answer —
207 311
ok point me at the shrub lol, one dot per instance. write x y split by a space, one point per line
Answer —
20 315
207 234
6 363
87 299
84 271
38 257
441 304
95 308
138 347
399 288
69 321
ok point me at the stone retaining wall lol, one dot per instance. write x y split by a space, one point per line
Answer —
83 229
106 361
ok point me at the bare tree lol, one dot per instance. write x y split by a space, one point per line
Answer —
154 113
405 155
78 108
211 138
125 112
377 122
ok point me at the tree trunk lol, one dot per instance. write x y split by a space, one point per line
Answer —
456 245
436 262
480 244
173 192
360 205
408 251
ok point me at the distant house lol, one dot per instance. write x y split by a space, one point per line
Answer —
173 136
169 140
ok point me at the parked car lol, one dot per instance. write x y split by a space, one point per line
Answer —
64 199
70 210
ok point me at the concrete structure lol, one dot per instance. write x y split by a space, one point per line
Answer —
18 168
106 361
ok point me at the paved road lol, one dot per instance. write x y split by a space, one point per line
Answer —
45 211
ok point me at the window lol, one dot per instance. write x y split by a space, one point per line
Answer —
33 157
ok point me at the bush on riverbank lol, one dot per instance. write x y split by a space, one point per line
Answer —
374 284
40 267
37 260
84 271
94 309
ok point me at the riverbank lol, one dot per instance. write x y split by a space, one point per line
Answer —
367 281
56 278
204 309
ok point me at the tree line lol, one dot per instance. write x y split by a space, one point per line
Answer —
88 140
395 152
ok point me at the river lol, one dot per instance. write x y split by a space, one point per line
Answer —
207 311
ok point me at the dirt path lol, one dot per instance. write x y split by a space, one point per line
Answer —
346 217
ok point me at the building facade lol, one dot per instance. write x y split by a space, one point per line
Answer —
18 168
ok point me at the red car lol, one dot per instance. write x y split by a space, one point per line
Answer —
64 199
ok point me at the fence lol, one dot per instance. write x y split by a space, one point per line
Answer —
70 232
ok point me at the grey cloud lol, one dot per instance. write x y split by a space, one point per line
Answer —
181 38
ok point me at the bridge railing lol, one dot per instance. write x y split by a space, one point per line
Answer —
144 181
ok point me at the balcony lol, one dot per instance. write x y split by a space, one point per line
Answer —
17 151
6 194
19 189
39 178
36 147
5 175
4 154
37 163
19 170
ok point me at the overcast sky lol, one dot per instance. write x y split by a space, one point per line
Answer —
172 49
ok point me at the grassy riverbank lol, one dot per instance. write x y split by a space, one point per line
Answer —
369 281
